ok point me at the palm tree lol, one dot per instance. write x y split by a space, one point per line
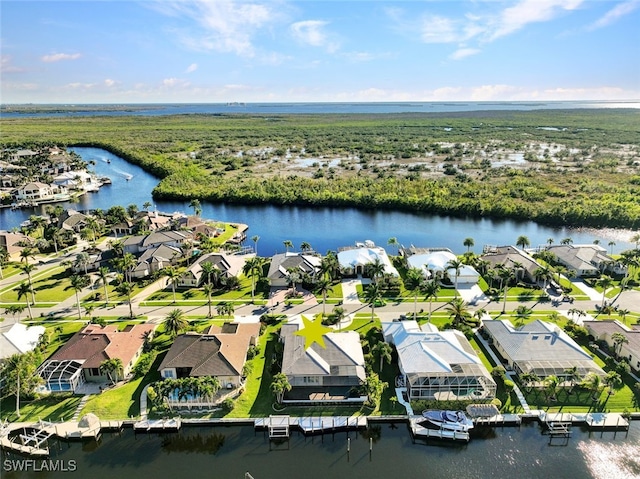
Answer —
293 278
522 314
103 273
225 308
459 312
604 282
78 283
127 288
550 241
4 259
430 290
383 350
208 290
255 239
413 282
287 244
505 275
279 386
209 269
469 243
456 265
253 267
329 265
613 381
113 368
623 314
523 242
635 239
571 374
305 246
611 245
117 246
146 205
24 290
323 286
173 275
393 241
94 226
593 383
197 208
551 386
375 269
566 241
26 253
372 296
618 340
28 269
175 322
82 261
543 273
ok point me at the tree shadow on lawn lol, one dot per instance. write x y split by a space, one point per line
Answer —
262 406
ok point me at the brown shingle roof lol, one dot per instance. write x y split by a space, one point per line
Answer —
95 343
222 351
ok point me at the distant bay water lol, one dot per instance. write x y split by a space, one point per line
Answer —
324 228
157 109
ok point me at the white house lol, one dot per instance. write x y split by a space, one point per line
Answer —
433 262
353 260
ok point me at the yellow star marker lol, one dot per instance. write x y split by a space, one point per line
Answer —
313 332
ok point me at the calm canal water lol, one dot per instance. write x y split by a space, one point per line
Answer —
325 228
230 452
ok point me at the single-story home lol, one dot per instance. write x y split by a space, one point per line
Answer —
79 359
353 260
9 241
586 260
540 348
510 257
137 244
433 261
228 264
440 365
220 353
282 263
332 374
629 349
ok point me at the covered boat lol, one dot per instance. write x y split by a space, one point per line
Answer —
449 420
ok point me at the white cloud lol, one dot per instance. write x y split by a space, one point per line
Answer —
461 53
7 66
437 29
109 82
191 68
615 13
313 32
57 57
225 25
518 16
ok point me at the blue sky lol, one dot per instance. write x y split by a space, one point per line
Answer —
290 51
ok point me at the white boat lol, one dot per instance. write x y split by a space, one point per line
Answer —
448 420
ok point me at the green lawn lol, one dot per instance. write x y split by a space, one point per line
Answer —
55 407
52 286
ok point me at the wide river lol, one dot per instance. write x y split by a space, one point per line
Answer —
324 228
230 452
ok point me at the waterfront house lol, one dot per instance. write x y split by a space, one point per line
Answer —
79 359
282 264
35 191
138 244
221 353
332 374
629 349
587 260
440 365
540 348
353 260
512 258
229 265
72 220
154 259
434 262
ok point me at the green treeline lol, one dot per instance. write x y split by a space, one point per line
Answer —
393 161
443 196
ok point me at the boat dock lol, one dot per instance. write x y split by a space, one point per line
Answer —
422 432
279 426
593 420
154 425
